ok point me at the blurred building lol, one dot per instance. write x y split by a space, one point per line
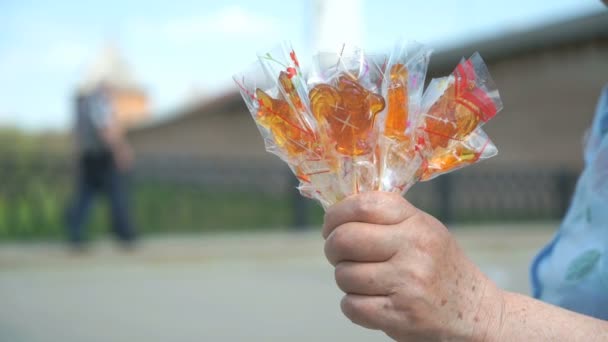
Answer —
128 97
549 79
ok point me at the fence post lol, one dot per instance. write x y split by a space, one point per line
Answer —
444 191
299 206
563 184
11 209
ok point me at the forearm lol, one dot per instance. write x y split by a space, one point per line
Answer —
526 319
112 136
120 148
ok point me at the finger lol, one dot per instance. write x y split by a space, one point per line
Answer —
370 312
362 242
375 207
370 279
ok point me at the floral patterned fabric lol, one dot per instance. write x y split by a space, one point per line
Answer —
572 271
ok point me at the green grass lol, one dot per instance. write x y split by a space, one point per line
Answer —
171 208
38 211
35 209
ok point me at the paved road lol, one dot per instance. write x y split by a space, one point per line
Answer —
254 287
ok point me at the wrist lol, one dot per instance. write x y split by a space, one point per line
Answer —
489 322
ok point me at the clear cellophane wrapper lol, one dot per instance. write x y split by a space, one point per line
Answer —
361 122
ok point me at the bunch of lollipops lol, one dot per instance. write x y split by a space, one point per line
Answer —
361 122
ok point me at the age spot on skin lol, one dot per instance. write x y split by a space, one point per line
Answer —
473 288
476 319
444 302
459 314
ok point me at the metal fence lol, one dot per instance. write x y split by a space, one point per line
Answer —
184 195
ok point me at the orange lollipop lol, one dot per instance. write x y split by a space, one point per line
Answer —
398 101
347 112
285 124
444 160
292 93
460 109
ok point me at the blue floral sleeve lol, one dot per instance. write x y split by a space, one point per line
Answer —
572 271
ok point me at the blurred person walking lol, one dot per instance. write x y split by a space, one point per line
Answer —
104 158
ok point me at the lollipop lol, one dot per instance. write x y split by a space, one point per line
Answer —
477 146
398 102
468 100
347 112
354 124
400 145
281 119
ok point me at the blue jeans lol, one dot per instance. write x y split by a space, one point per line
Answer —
98 174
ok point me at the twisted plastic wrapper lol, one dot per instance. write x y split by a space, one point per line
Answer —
359 122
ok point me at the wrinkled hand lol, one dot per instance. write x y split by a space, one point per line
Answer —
404 274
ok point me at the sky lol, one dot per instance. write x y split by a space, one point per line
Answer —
181 50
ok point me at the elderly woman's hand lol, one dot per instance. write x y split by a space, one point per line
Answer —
404 274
